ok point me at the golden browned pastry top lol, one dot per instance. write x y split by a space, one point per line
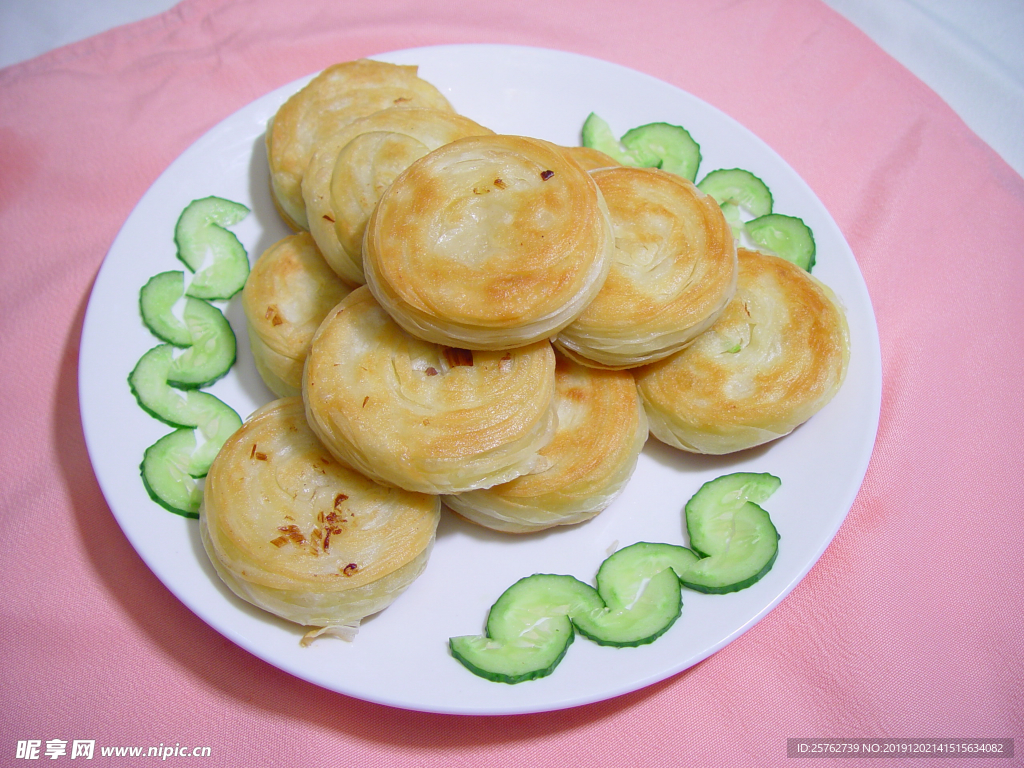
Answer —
774 358
337 96
422 416
289 291
351 169
281 512
601 431
488 242
672 273
591 159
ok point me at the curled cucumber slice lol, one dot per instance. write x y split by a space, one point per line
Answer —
740 188
214 254
528 629
170 467
638 598
179 408
733 535
665 146
166 473
200 348
655 145
785 236
597 134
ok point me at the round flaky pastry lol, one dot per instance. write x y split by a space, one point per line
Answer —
291 530
672 273
601 431
773 359
422 416
287 294
489 242
590 159
331 100
351 169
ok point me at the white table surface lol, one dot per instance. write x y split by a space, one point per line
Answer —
970 53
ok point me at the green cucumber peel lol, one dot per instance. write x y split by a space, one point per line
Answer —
638 596
212 252
655 145
785 236
740 188
200 347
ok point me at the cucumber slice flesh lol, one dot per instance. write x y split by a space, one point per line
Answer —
512 661
639 610
598 135
166 473
528 629
211 354
188 408
638 596
170 467
785 236
218 259
739 187
733 534
157 301
665 146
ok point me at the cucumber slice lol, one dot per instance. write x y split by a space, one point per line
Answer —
642 602
202 329
655 145
735 537
597 134
739 187
528 629
157 301
218 259
785 236
211 355
166 473
638 597
188 408
665 146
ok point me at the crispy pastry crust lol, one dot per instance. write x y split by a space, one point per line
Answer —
289 291
775 357
673 271
293 531
591 159
421 416
601 431
351 169
489 242
331 100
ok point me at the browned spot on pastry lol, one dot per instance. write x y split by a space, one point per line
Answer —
349 569
273 316
292 534
431 371
456 356
500 184
545 175
366 400
338 499
328 218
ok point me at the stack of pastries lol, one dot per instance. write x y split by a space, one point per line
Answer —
489 321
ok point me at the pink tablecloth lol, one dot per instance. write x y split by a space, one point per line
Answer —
911 623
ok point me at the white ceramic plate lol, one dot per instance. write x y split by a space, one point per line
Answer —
400 656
